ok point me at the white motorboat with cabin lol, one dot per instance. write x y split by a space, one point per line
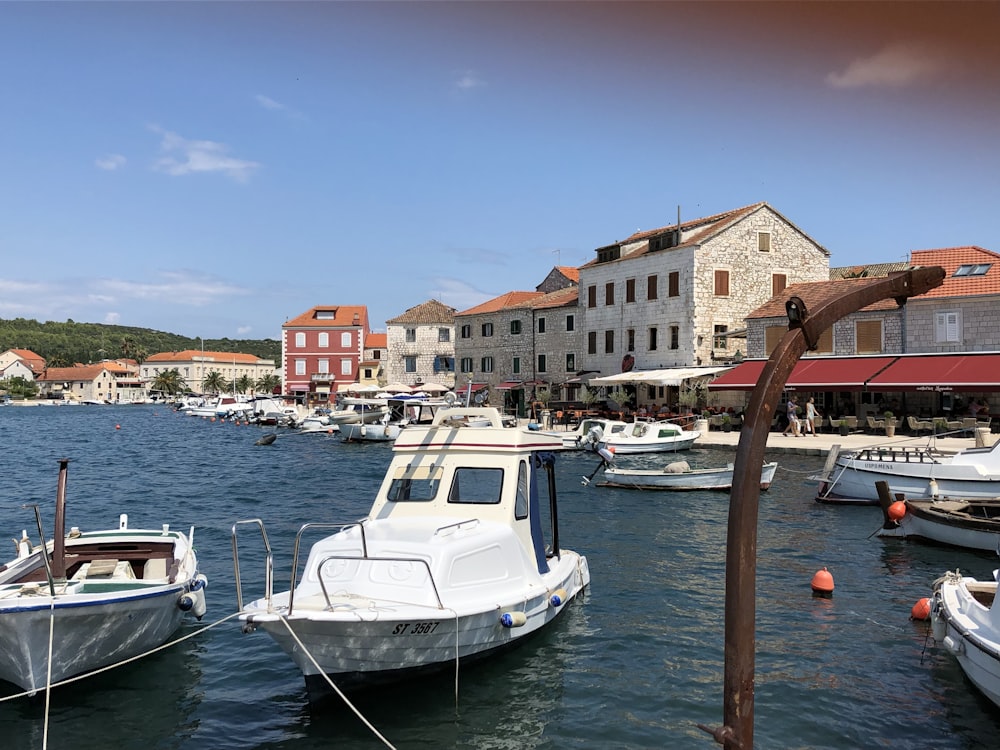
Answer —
458 559
352 410
965 620
650 437
95 598
589 433
915 471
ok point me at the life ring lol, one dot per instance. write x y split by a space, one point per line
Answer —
628 362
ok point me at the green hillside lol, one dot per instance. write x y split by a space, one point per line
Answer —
63 344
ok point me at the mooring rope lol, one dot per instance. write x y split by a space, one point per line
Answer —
330 682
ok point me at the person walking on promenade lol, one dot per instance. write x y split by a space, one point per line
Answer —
811 414
791 408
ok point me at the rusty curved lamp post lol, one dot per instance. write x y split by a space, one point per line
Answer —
804 329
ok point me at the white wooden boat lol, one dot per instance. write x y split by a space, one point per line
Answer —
972 523
680 476
96 598
915 471
965 620
650 437
458 559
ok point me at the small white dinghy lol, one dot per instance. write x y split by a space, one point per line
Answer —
966 621
679 475
95 598
458 559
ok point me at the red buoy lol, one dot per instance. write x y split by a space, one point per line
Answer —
822 582
921 610
118 426
896 511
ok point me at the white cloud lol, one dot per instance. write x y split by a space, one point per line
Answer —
469 80
185 157
268 103
110 162
179 287
458 294
895 65
244 330
112 318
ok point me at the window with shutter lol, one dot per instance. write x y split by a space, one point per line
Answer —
772 335
868 336
674 284
778 283
947 326
721 283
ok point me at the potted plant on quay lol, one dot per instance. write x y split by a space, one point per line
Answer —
844 429
727 422
890 424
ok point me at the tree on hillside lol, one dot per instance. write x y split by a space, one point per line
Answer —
169 382
214 382
267 383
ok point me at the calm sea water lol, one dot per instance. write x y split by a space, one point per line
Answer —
636 664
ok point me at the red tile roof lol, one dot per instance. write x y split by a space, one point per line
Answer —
960 286
570 272
34 362
503 302
376 341
80 372
814 294
342 317
189 354
559 298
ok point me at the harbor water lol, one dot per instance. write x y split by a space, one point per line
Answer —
637 663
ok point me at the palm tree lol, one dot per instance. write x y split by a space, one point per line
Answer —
169 382
214 383
267 383
244 383
128 347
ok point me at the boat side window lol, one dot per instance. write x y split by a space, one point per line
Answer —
471 485
414 484
521 502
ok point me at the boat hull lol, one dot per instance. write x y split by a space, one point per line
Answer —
966 624
914 472
95 619
358 432
364 644
696 479
973 524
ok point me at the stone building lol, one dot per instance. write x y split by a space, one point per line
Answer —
194 365
673 296
420 346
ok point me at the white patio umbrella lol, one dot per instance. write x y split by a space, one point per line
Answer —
397 388
433 388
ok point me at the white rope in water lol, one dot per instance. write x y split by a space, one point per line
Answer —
108 668
48 673
337 690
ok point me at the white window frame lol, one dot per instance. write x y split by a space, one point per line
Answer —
300 340
324 340
300 367
948 326
345 340
345 366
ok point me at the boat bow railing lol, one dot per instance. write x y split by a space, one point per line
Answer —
366 558
268 563
298 543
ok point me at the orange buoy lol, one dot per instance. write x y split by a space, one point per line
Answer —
921 610
118 426
896 511
822 582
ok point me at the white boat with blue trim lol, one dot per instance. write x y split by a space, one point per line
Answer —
92 599
458 558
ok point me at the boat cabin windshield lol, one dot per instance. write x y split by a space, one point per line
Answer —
472 485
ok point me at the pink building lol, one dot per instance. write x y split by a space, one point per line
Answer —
322 349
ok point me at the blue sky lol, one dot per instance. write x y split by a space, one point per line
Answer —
213 169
